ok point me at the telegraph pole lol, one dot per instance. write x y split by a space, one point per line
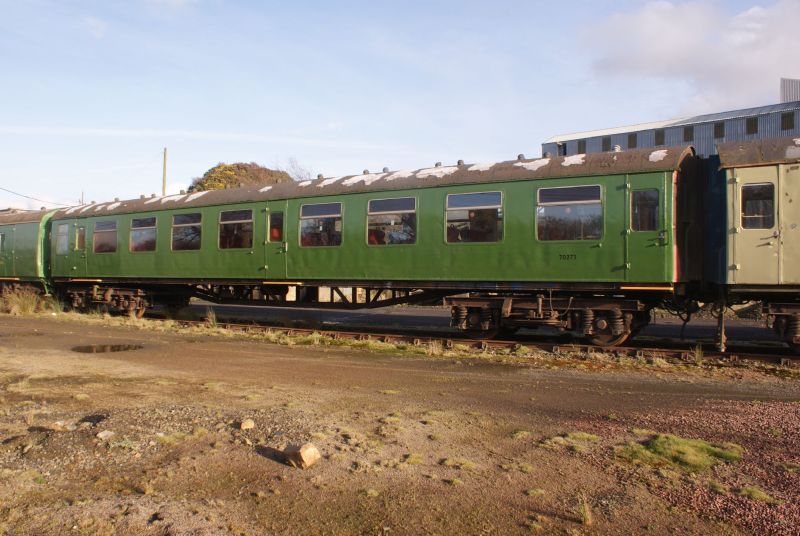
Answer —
164 175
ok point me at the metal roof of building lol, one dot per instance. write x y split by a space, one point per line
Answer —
759 152
678 122
636 161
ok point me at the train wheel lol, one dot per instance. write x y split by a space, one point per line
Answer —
608 340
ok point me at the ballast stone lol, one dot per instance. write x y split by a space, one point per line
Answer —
302 456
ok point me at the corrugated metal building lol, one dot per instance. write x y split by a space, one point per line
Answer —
702 131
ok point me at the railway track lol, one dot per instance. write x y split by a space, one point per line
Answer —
778 356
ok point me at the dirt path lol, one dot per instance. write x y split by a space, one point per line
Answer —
411 445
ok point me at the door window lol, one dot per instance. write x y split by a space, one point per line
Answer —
758 206
2 242
236 229
644 210
276 226
80 239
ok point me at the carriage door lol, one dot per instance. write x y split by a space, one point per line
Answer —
77 250
755 235
276 245
648 249
789 224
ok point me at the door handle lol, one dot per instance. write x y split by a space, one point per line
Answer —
286 247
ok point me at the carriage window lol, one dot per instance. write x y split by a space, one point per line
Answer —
570 213
392 221
475 217
186 232
321 225
236 229
143 234
104 239
644 210
276 226
80 238
758 202
62 239
2 242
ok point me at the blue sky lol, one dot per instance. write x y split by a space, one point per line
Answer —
91 91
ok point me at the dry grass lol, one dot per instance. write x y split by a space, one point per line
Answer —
584 511
21 301
693 455
757 494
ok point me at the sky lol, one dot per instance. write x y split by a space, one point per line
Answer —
92 91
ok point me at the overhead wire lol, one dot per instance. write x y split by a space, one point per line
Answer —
36 198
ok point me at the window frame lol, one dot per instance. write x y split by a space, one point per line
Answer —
774 206
80 231
633 136
537 204
659 133
605 144
787 121
2 242
95 231
748 121
132 229
251 221
379 213
59 227
172 230
688 134
300 219
719 128
476 207
581 148
658 211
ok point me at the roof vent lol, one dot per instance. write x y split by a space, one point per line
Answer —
116 199
365 172
617 148
141 196
93 202
152 195
437 164
520 156
386 170
183 192
42 208
320 176
460 162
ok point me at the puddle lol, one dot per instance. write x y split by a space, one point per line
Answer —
103 348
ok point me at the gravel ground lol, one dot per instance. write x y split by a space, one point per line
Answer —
410 444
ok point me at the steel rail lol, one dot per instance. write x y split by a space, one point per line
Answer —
642 352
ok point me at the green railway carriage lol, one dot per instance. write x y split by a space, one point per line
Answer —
596 233
23 255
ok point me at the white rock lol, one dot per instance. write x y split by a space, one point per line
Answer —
247 424
105 435
302 456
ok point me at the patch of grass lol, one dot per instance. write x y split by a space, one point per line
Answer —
20 301
371 492
454 482
718 488
520 434
458 463
390 392
411 459
124 443
521 467
211 318
582 436
757 494
694 455
81 397
584 511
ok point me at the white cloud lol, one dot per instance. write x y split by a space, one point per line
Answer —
727 60
97 27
